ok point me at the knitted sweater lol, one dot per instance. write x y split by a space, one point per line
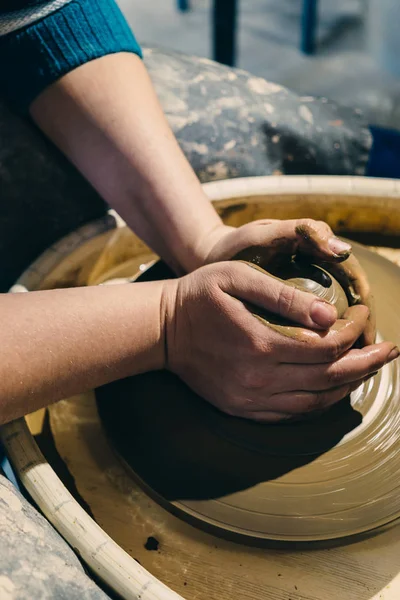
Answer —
40 41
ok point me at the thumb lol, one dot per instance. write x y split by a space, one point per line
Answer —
263 242
253 285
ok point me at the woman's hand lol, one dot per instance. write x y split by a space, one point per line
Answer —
272 239
247 369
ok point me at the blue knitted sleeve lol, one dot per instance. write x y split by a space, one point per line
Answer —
34 55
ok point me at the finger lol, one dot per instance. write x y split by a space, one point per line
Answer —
353 366
266 416
303 402
369 334
317 238
305 346
262 242
353 279
351 276
263 291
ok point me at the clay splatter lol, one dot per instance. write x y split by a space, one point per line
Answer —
152 544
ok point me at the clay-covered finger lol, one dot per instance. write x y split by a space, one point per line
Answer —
317 238
300 405
354 365
265 243
313 238
302 402
305 346
354 280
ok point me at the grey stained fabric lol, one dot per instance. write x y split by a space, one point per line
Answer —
233 124
35 563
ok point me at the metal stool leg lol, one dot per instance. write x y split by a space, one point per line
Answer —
224 24
309 26
183 5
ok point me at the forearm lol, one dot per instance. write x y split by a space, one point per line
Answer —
106 118
58 343
77 69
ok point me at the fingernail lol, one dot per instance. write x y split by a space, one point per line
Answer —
323 314
395 353
339 247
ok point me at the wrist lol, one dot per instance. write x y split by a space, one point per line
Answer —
168 303
144 324
204 247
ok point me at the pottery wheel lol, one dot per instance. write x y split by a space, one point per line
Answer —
324 478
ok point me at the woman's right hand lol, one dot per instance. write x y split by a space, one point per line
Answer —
246 368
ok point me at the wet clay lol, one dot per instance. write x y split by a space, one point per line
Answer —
305 277
328 477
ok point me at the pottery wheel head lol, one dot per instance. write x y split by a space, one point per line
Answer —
329 477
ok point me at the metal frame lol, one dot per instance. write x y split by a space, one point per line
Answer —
224 28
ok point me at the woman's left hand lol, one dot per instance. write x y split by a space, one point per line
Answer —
269 239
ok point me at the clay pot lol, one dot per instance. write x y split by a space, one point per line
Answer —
297 272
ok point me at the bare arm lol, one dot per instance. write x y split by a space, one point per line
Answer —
58 343
106 118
